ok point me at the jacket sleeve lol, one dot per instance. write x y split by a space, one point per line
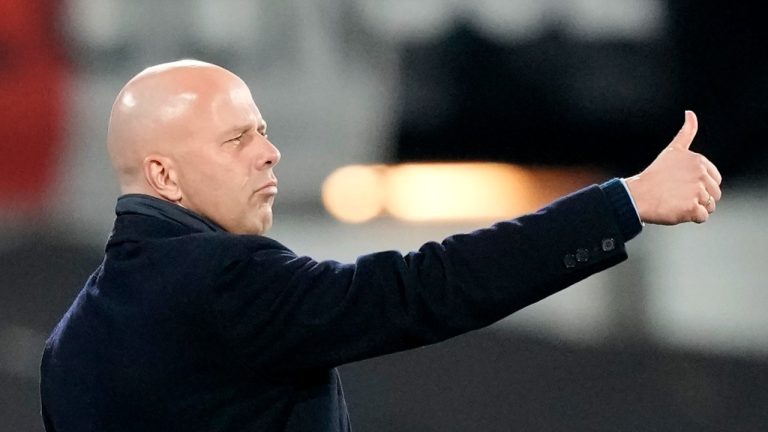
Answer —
280 311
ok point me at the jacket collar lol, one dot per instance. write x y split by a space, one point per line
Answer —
143 216
150 206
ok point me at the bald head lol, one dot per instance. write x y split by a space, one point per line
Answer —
154 114
190 133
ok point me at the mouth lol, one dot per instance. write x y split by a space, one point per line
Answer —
268 188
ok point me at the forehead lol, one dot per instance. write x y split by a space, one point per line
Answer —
234 104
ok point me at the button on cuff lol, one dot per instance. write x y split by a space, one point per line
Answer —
582 255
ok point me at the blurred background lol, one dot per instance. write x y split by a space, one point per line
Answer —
548 96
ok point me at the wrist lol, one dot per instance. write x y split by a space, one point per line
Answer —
627 217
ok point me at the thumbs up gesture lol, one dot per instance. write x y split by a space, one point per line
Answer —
679 185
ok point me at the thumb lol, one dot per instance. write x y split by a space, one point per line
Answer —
685 136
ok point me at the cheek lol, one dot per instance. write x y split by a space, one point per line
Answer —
215 180
203 172
203 189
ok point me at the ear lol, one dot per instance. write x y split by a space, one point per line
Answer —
161 176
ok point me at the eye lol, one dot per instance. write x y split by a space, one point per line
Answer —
237 140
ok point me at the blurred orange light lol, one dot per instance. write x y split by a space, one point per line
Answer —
355 193
454 191
447 191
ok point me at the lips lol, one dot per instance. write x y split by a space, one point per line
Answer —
269 188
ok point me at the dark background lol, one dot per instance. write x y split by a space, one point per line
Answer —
557 100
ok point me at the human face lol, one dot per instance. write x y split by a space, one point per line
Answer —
226 172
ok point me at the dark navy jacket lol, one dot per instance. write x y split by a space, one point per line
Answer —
185 327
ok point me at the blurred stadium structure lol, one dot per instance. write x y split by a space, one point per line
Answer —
674 339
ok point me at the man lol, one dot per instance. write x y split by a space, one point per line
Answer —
195 321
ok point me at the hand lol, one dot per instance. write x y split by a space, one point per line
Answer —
679 185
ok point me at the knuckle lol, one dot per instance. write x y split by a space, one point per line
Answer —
701 217
702 171
693 207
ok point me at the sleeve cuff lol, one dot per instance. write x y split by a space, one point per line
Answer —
623 207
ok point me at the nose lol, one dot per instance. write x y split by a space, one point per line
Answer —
269 155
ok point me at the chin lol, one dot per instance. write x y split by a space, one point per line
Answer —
258 228
265 227
255 223
266 222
